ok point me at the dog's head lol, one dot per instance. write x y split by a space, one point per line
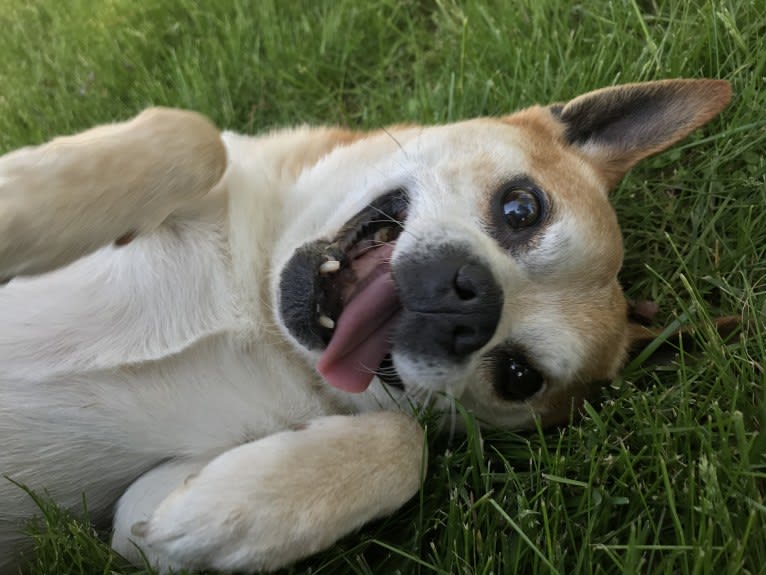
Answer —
479 259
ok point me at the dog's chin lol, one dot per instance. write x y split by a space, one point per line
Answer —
338 297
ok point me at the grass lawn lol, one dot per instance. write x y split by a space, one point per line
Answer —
667 474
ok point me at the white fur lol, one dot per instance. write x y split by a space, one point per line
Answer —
161 375
165 358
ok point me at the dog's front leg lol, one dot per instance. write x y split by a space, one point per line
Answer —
73 195
271 502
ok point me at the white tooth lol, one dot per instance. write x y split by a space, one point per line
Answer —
329 267
382 235
325 321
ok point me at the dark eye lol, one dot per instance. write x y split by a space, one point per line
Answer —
521 208
515 379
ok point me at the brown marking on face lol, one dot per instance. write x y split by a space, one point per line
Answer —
574 190
308 151
603 327
599 319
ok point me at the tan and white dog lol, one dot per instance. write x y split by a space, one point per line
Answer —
235 385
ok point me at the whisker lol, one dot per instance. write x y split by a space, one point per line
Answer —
390 218
374 245
397 142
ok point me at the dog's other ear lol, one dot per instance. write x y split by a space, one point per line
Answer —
617 127
661 345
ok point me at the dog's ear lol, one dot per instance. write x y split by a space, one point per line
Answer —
661 344
617 127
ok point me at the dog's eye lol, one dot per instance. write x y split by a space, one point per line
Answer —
515 379
521 208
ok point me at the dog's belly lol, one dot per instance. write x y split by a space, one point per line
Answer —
143 302
125 359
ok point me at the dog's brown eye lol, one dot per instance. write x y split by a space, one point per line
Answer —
521 208
515 379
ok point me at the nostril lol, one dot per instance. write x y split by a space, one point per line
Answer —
464 285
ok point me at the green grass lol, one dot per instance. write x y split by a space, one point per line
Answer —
667 474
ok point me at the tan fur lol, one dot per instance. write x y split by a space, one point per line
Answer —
346 495
165 370
593 301
58 205
580 192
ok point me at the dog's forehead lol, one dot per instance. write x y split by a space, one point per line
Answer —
487 152
468 140
480 153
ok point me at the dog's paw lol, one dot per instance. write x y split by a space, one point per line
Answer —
73 195
269 503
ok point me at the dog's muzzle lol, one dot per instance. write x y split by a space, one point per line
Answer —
451 304
345 298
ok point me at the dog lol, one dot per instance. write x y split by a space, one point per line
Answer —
221 340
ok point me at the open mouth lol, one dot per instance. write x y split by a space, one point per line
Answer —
352 309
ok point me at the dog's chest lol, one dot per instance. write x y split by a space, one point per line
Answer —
216 394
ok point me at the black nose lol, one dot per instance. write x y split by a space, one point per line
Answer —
451 302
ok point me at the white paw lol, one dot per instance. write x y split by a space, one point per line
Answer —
271 502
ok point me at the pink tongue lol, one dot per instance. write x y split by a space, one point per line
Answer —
362 336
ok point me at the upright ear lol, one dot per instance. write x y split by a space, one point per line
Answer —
617 127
